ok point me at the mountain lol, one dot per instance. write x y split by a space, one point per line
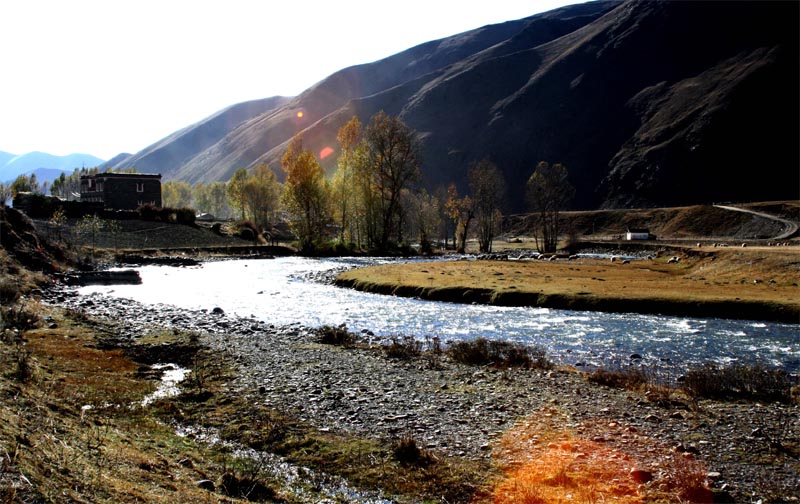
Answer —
11 168
5 157
169 154
648 103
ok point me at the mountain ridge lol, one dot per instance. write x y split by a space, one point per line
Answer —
640 99
12 166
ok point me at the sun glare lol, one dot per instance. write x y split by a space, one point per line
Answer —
300 114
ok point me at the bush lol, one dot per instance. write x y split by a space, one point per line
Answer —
503 354
185 215
739 381
10 292
147 212
406 451
336 335
630 378
246 230
403 348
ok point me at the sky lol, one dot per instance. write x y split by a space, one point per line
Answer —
103 77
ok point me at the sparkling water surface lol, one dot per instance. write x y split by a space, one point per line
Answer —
280 291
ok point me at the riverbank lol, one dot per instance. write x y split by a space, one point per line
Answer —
497 425
743 283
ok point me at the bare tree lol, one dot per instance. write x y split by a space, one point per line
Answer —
461 211
548 191
488 190
393 159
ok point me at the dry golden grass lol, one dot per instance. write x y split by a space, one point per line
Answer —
765 275
72 431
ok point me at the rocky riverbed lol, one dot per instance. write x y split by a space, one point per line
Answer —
747 451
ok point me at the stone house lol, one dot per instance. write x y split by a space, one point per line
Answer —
121 191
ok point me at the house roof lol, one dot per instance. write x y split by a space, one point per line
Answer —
123 175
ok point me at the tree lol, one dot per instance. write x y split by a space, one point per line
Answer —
393 160
426 217
5 194
488 190
305 194
211 198
342 188
548 191
236 189
23 183
176 194
57 222
461 211
90 225
261 194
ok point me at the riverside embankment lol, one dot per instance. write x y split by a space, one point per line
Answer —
760 284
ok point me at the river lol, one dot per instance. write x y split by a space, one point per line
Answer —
282 291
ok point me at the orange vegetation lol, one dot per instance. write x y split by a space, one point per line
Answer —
547 465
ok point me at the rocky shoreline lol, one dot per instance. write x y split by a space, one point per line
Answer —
747 450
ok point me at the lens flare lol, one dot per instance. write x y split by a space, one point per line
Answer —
300 114
325 152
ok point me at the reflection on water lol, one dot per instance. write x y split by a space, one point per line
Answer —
278 291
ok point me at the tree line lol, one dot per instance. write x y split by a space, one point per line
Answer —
372 201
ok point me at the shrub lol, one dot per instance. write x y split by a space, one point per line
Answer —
185 215
403 348
406 451
504 354
147 212
739 381
630 378
18 316
10 292
336 335
246 230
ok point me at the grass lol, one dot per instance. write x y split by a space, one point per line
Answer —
71 429
737 283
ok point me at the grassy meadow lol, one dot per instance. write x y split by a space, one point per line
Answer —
748 282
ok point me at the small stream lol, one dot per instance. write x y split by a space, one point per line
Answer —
281 291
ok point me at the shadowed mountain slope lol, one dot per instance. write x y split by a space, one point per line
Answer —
647 102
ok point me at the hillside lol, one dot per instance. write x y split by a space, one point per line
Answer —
648 104
693 223
169 154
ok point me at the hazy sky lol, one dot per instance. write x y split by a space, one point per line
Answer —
108 76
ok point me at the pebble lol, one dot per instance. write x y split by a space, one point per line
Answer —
360 391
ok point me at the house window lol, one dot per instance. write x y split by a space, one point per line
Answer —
139 186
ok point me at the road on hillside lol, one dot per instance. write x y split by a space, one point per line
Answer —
789 230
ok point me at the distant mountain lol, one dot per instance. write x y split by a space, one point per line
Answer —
5 157
15 166
647 102
46 174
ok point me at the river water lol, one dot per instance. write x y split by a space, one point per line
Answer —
280 291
